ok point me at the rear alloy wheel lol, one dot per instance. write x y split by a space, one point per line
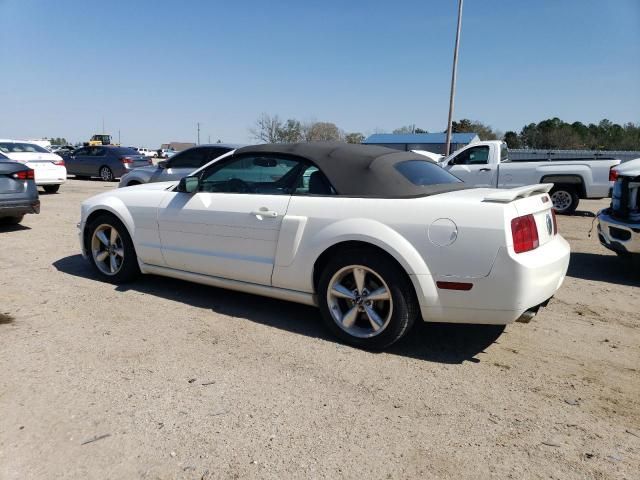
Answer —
106 174
565 199
51 188
111 249
366 300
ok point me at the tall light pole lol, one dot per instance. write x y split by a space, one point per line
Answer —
453 79
198 133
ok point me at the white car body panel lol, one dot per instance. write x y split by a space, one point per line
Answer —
46 172
223 240
594 174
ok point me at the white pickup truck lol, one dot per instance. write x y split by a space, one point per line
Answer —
487 164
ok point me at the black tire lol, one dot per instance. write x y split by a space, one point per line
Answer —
51 188
106 174
11 220
566 199
404 308
128 268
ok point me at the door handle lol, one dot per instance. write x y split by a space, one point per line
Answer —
485 169
264 212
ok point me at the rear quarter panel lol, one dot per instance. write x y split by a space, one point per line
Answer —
399 226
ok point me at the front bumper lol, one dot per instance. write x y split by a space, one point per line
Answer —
617 235
15 208
516 284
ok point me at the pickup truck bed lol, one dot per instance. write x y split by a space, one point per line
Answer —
487 164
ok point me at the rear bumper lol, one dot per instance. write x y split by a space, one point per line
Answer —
517 283
51 176
15 208
617 235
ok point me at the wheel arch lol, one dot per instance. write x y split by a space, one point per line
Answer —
110 208
575 181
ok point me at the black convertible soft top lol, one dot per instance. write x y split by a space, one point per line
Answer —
360 170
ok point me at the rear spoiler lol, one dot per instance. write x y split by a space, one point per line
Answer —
511 194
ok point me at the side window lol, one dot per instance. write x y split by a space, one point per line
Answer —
313 182
252 174
212 154
191 158
99 152
80 152
473 156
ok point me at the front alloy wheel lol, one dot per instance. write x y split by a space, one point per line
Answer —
359 301
111 250
107 249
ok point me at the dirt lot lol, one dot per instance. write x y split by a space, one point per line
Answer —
166 379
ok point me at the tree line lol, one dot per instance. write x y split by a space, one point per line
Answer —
552 133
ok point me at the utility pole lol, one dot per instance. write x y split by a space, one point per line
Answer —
119 137
453 79
198 133
209 139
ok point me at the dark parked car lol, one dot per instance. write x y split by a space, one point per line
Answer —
18 191
178 166
106 161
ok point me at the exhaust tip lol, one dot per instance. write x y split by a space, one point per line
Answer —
527 316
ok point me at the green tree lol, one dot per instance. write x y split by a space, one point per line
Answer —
512 139
355 137
322 132
485 132
290 131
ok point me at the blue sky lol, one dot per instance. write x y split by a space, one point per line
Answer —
152 69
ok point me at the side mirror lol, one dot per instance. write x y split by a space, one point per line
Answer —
162 164
188 184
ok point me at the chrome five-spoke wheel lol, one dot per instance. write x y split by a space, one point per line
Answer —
360 301
107 249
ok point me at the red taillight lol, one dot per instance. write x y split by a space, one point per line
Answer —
126 160
59 162
525 234
555 222
613 174
24 175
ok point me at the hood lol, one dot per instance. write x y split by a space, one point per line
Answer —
630 168
153 186
33 156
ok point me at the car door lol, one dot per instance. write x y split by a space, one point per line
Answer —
472 166
230 227
77 162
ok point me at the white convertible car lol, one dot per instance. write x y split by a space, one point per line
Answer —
374 237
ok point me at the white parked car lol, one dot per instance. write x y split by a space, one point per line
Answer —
49 168
487 164
374 237
619 225
146 152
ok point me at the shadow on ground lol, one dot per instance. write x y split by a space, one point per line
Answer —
443 343
605 268
13 228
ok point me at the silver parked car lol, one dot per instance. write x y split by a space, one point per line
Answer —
178 166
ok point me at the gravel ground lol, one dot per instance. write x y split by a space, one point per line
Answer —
167 379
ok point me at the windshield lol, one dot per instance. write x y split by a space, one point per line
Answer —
422 172
18 147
